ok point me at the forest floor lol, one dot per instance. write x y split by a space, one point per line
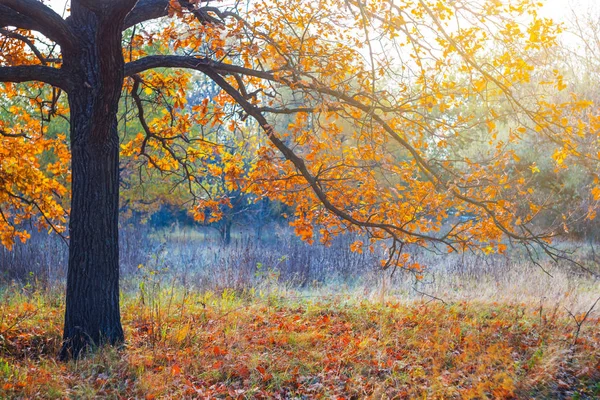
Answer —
274 344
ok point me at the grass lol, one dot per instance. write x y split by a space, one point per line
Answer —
265 343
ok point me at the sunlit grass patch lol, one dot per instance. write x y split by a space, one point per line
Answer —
232 344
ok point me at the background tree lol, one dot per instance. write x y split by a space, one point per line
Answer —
376 84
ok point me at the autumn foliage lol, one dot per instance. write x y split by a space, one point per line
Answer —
34 174
234 345
366 111
407 124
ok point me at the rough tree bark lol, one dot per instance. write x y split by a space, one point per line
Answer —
92 75
96 71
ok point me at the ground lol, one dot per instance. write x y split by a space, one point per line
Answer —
271 343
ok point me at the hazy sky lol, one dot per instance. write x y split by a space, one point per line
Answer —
560 10
556 9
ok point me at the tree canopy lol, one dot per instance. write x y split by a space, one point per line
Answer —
392 118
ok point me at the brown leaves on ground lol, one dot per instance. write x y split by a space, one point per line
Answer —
232 346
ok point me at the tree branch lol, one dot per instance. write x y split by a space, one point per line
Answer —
29 73
108 9
190 62
146 10
12 135
9 17
34 15
215 69
43 59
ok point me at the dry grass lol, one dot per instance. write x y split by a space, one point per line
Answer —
268 343
284 320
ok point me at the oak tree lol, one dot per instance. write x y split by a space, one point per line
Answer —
375 94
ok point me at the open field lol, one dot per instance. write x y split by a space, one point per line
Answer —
247 322
285 320
279 345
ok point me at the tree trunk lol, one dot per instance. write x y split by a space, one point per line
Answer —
258 228
227 234
92 316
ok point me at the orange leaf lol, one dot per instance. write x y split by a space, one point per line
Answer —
175 370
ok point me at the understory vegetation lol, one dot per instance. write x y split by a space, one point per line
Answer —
251 345
260 320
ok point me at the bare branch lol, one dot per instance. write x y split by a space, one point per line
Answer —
29 73
190 62
9 17
107 9
12 135
295 110
146 10
34 15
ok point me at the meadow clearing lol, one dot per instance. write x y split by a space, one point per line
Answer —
250 322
